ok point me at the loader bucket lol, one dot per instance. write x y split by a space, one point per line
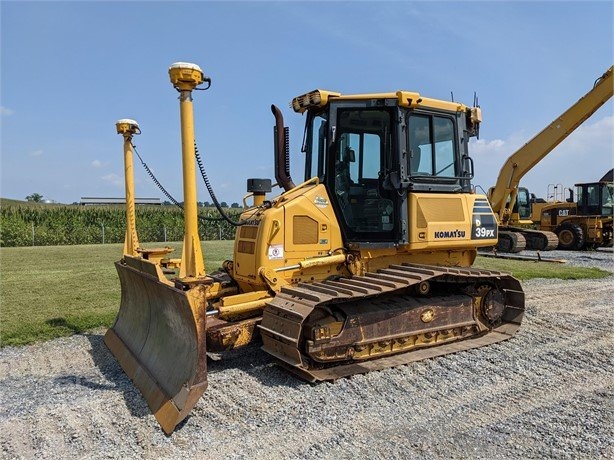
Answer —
159 340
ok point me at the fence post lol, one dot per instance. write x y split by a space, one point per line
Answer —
219 227
102 233
164 233
32 233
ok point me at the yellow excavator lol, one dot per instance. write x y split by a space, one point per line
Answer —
511 203
364 265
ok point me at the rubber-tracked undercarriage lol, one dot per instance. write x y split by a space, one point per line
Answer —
363 266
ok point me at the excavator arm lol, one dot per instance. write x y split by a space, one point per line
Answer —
503 195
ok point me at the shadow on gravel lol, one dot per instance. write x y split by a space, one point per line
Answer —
250 360
108 367
255 362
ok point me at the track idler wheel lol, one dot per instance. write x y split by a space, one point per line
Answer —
492 305
424 288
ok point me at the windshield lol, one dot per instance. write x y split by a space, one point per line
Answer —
432 146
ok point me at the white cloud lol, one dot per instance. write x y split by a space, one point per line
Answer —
96 163
113 179
482 147
36 153
585 156
5 111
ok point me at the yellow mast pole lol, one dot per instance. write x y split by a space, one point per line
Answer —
185 77
127 128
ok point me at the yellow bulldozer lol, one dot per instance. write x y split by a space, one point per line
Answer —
364 265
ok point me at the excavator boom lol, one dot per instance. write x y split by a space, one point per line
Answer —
503 195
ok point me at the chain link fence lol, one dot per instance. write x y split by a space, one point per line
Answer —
19 228
32 235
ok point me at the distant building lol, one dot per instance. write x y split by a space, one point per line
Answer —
91 201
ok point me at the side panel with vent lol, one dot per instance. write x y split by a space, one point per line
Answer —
438 221
305 230
308 230
300 225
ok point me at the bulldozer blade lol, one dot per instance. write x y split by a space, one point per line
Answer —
159 340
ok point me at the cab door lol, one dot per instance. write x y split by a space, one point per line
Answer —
361 154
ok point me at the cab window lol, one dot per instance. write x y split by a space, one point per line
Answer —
315 146
432 146
524 207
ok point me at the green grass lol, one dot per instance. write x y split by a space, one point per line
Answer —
525 270
53 291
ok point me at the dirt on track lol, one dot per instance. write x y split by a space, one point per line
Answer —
546 393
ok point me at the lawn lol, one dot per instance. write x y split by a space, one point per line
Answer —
525 270
52 291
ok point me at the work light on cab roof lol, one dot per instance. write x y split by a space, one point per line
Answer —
316 98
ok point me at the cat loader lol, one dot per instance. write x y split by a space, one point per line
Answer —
364 265
586 221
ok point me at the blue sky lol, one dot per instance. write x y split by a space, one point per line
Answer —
69 70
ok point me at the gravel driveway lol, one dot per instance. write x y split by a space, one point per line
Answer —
547 393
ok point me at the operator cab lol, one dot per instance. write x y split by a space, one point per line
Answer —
523 203
370 151
595 199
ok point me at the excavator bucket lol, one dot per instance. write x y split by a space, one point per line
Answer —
159 340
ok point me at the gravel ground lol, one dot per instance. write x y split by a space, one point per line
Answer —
547 393
602 257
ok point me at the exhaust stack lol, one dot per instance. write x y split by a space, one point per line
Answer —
282 154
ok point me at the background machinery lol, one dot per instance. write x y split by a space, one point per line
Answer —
583 222
511 203
363 266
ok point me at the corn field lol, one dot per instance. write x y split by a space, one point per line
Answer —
23 225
